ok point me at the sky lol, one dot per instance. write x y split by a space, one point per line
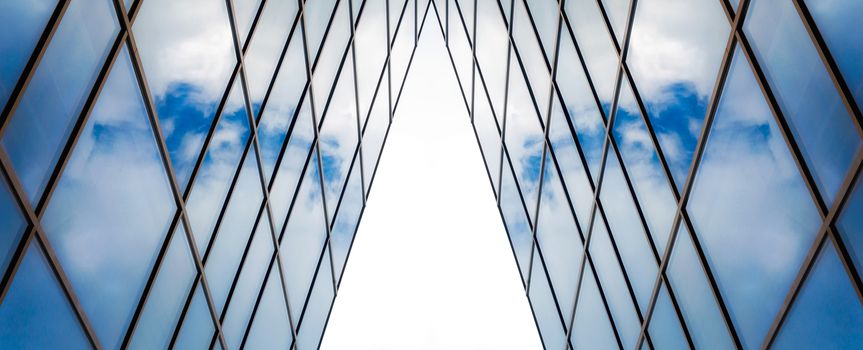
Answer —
431 266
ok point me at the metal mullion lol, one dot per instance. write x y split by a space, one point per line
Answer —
315 275
504 113
32 64
36 232
473 68
251 34
825 230
554 298
166 162
830 65
389 71
359 150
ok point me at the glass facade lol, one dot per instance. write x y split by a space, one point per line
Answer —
191 174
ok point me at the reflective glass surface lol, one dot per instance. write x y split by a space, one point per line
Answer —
318 308
347 219
197 328
515 218
664 327
609 273
40 126
12 226
811 105
846 46
270 327
271 36
35 313
750 207
591 328
828 312
544 308
850 225
24 23
112 206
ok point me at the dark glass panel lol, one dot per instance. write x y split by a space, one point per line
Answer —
614 286
35 313
12 225
235 231
836 20
271 36
664 327
218 169
645 171
167 295
112 206
303 240
595 43
675 53
271 329
557 235
40 126
815 114
347 218
248 285
827 312
197 329
23 24
749 206
544 309
850 225
188 55
695 297
318 308
517 225
628 232
591 328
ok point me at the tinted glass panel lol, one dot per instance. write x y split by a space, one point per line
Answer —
834 19
827 313
187 53
35 313
665 329
850 225
12 225
23 24
112 206
197 329
57 91
750 208
815 113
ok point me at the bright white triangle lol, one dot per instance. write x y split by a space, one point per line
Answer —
431 267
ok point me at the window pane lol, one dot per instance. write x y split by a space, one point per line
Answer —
646 173
112 206
524 140
270 328
271 36
35 313
596 46
827 313
532 59
618 12
488 134
235 231
614 286
303 240
347 218
12 226
57 91
834 19
850 225
371 50
557 235
517 225
627 231
566 155
245 11
665 329
675 54
218 169
339 137
167 295
544 308
317 16
591 328
750 207
374 132
197 329
326 66
249 283
318 309
188 55
298 153
695 297
23 24
815 113
491 50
